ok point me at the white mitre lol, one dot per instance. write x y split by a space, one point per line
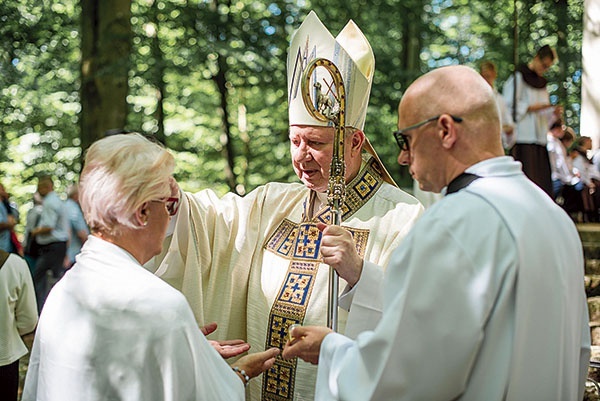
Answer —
352 55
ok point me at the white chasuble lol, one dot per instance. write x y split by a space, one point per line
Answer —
252 265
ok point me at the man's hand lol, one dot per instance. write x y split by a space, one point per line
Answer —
227 348
306 343
254 364
558 111
339 251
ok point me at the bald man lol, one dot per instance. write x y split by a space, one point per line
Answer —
482 300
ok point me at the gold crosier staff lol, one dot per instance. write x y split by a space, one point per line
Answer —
326 111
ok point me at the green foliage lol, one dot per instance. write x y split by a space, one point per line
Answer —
245 41
39 100
197 64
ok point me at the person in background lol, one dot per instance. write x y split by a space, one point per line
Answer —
111 330
51 234
79 230
561 166
18 317
8 220
596 159
13 210
255 264
489 72
534 115
570 198
589 176
32 219
482 293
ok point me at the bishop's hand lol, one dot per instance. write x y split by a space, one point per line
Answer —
339 251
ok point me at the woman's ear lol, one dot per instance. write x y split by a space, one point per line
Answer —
142 213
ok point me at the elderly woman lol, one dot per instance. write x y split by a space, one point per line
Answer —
111 330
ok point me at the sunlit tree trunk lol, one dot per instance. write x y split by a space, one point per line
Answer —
412 42
226 139
158 76
105 49
562 22
220 79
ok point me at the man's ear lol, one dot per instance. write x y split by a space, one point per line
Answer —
357 139
447 131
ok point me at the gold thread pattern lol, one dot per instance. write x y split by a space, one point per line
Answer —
300 244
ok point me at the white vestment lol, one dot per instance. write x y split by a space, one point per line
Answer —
483 301
559 162
506 121
18 310
110 330
586 169
531 126
252 265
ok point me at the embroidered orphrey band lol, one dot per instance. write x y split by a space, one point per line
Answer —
300 243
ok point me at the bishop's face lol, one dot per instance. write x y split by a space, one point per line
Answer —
312 149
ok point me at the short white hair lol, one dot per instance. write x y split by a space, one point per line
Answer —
122 172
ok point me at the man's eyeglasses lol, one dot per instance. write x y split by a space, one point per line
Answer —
402 140
171 204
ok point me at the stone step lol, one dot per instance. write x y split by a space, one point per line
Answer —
592 392
592 285
590 240
594 309
592 267
591 250
589 232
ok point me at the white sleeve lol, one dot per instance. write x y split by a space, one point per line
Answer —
395 360
26 313
194 368
365 300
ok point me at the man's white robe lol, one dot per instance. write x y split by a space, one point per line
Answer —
484 300
231 257
530 126
110 330
18 309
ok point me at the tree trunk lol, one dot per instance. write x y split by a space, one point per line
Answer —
226 140
562 22
159 78
411 38
105 49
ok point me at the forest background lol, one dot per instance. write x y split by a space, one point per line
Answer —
208 77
